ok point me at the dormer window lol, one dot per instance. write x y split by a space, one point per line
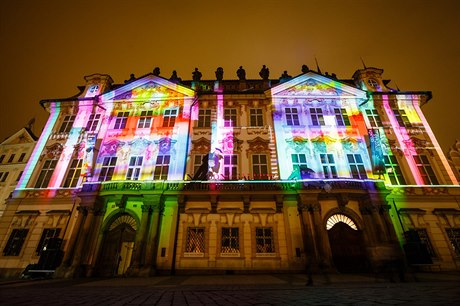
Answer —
373 83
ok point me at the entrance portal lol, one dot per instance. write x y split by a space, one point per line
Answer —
117 247
347 245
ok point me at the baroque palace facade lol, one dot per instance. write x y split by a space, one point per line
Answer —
161 175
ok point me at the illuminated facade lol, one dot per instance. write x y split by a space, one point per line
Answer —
161 175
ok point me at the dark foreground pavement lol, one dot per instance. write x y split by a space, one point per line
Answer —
274 289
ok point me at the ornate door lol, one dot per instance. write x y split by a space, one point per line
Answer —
348 252
117 247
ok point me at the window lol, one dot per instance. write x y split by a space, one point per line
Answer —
454 237
195 240
230 240
3 176
423 235
393 170
169 117
231 167
66 125
19 176
328 163
426 172
122 119
21 157
197 162
2 158
316 115
292 116
145 120
256 117
46 235
74 173
298 160
15 241
401 117
356 164
264 240
93 122
10 160
161 167
374 118
372 83
46 173
204 118
230 117
107 169
134 168
341 117
259 166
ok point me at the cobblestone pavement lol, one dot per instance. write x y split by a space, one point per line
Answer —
234 290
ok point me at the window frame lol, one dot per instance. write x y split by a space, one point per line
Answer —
259 165
256 119
316 116
230 167
374 118
230 117
453 235
161 170
47 233
197 244
329 168
15 242
45 174
357 168
292 116
263 248
108 166
67 123
134 171
341 117
145 120
425 169
395 175
121 120
169 117
73 173
230 244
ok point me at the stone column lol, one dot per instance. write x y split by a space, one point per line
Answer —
321 238
148 256
93 236
307 232
141 238
75 269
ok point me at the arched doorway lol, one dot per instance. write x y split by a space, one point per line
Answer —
347 245
117 246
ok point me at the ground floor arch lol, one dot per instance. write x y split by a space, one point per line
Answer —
117 246
347 244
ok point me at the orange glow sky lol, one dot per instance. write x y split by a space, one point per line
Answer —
47 47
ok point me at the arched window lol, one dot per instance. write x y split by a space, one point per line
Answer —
127 219
334 219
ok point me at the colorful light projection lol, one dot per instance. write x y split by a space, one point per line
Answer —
156 142
54 109
315 139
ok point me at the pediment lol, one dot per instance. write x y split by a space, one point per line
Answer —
20 137
312 85
150 87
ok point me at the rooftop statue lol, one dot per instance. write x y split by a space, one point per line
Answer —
285 76
156 71
264 73
219 74
305 69
196 75
174 78
241 73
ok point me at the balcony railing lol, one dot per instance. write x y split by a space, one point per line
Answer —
330 185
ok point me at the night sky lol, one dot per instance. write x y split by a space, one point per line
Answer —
48 46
